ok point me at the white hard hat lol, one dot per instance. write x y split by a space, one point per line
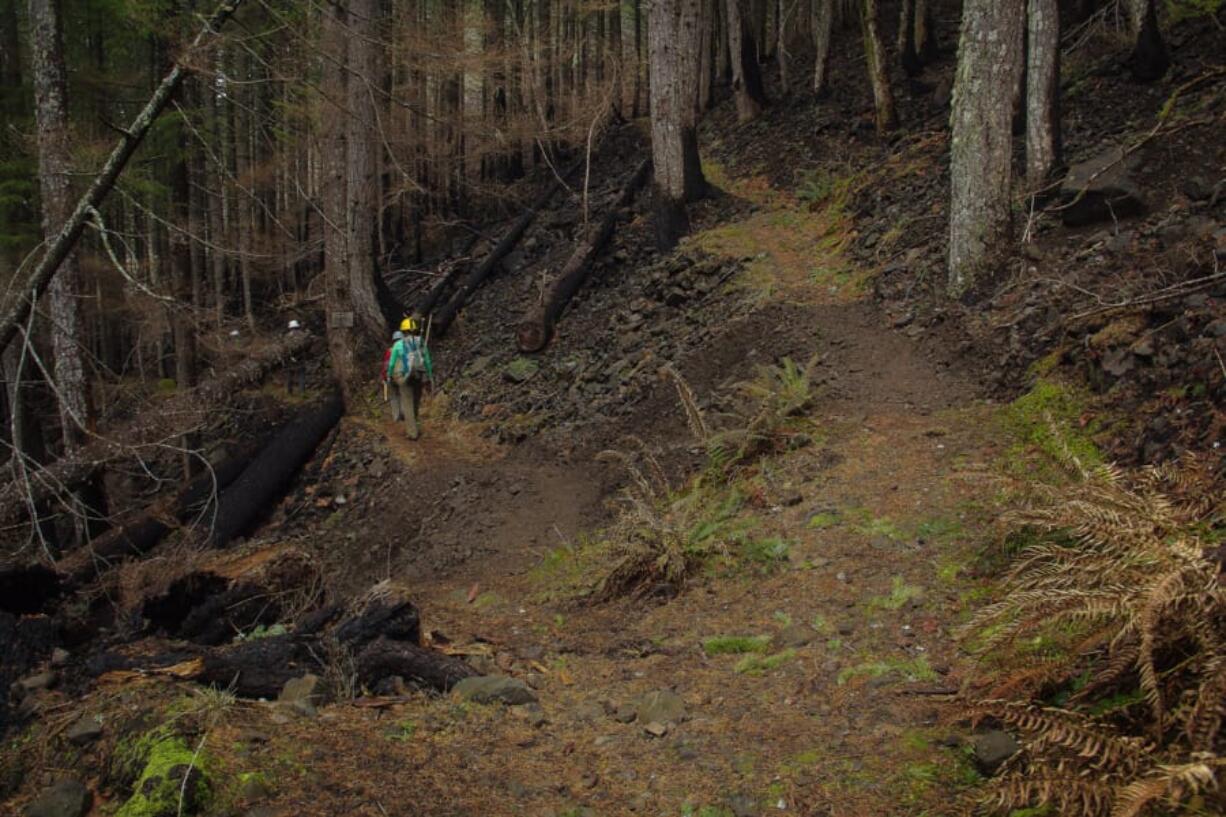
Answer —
294 325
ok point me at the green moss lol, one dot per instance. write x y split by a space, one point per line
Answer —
822 520
1049 418
757 664
173 779
915 669
900 594
735 644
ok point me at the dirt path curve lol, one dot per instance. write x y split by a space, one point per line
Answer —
837 713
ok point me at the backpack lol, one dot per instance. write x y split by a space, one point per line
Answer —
407 359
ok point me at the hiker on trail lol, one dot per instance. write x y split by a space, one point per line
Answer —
295 370
407 368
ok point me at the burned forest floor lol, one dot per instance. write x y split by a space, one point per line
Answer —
812 661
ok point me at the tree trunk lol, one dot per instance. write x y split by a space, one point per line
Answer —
823 28
746 75
781 45
1150 59
65 240
924 34
1042 91
878 72
54 166
989 67
362 149
673 51
908 55
536 328
335 196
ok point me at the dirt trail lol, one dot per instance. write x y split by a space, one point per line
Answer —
841 719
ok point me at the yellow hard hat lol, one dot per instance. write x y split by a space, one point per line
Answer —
408 325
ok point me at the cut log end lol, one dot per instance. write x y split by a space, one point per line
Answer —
533 334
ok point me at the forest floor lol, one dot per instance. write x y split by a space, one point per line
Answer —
812 665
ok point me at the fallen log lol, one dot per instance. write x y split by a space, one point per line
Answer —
145 532
165 421
436 293
379 640
442 319
536 328
266 479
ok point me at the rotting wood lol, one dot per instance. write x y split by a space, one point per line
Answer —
536 328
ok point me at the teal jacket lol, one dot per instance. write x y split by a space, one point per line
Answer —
402 350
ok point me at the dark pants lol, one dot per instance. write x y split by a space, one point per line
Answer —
296 374
406 399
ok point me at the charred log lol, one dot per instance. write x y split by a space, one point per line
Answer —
170 419
536 328
445 283
442 319
144 533
381 639
249 498
417 665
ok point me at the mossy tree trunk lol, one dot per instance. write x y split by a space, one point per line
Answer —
1043 143
989 68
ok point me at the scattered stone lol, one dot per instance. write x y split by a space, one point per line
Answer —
656 729
660 706
300 695
59 657
794 635
625 713
992 749
1110 189
34 683
254 787
743 805
488 689
589 711
67 798
87 729
532 714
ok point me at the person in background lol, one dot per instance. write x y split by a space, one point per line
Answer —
408 367
295 370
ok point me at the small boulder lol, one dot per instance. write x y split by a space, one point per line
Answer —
488 689
87 729
34 683
992 749
660 706
1102 189
794 635
300 695
67 798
